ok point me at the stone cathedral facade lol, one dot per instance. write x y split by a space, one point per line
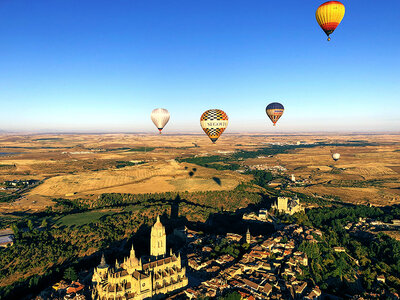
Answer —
135 279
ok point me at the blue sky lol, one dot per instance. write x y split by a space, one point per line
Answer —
86 65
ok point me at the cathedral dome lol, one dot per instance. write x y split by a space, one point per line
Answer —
133 261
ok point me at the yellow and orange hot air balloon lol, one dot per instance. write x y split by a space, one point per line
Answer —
214 123
329 15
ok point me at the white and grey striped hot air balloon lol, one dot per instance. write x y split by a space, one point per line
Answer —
160 117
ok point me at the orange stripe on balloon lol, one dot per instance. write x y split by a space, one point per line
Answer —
330 26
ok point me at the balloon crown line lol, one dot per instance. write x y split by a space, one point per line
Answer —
213 121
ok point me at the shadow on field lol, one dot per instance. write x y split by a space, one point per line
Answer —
217 180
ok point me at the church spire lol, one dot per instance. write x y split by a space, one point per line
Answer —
116 264
132 261
103 263
132 254
248 236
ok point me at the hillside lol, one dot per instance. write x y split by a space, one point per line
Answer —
166 176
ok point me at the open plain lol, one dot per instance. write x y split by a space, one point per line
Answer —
87 165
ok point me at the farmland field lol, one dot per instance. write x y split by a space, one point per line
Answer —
166 176
86 166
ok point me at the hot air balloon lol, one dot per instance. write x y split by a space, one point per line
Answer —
275 111
160 117
329 15
335 156
214 123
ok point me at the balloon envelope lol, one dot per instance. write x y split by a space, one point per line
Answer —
329 15
214 123
160 117
335 156
274 111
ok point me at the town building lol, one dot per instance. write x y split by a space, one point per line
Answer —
292 178
381 278
233 237
148 277
270 269
262 216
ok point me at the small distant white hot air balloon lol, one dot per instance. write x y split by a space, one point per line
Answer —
160 117
335 156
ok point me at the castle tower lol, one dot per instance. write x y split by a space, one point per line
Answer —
158 239
283 204
248 236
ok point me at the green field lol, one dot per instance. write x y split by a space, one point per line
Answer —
80 219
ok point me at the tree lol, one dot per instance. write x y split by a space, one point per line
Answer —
33 281
70 274
245 246
30 225
44 223
231 296
15 229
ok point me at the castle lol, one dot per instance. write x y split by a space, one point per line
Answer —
135 279
287 205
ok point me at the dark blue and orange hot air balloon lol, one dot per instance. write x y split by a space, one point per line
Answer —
329 15
274 111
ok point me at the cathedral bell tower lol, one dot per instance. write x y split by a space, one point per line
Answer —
158 239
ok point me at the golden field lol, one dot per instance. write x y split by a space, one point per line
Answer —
85 165
165 176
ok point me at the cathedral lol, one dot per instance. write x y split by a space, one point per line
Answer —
137 279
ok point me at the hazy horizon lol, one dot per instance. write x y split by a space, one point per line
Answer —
171 133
